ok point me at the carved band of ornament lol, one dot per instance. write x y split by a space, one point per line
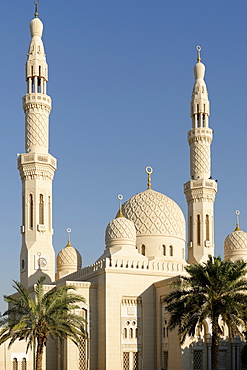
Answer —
210 184
42 158
28 98
131 301
196 199
31 172
132 346
200 140
29 158
37 108
197 183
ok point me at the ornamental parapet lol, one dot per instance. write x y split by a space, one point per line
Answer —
167 267
200 134
36 98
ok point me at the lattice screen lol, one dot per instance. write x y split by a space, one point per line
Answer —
15 364
197 360
165 360
135 361
24 364
82 356
126 360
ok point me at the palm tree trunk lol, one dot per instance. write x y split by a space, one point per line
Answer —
39 354
215 343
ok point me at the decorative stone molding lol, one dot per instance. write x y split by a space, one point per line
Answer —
36 171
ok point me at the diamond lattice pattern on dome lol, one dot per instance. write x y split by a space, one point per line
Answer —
236 240
120 228
69 256
155 213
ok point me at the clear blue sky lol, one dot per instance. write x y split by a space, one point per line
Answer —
121 77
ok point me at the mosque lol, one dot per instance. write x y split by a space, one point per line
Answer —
145 248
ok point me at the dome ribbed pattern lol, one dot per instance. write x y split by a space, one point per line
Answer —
155 213
69 256
120 227
236 240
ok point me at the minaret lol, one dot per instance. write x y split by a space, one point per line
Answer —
200 191
36 168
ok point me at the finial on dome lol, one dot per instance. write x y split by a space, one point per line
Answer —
68 231
198 48
237 221
36 2
120 213
149 171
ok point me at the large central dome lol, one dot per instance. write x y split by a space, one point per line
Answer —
155 213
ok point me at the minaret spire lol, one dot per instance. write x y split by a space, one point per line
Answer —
201 189
36 14
36 166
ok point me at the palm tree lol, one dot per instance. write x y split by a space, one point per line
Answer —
213 290
35 318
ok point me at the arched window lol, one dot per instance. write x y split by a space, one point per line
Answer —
207 228
171 250
131 333
136 332
49 213
143 250
164 250
24 364
190 229
30 211
125 333
164 331
23 210
198 230
41 209
15 364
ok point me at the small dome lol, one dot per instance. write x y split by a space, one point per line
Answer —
120 228
235 245
36 27
236 240
199 70
69 257
154 213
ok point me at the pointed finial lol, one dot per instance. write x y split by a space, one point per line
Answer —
36 2
120 213
198 48
68 231
237 221
149 171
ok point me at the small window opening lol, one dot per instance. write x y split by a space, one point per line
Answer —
164 250
41 209
198 230
207 228
171 250
143 250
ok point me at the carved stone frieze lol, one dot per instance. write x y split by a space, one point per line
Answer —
200 195
36 171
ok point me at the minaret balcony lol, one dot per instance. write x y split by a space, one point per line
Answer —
36 98
200 183
29 158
